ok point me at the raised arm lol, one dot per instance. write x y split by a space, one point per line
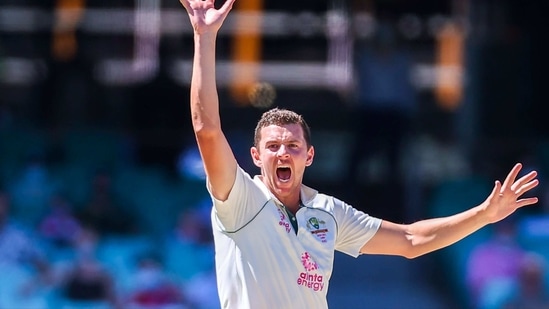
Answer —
429 235
219 161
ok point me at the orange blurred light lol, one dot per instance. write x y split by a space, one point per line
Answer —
449 83
246 49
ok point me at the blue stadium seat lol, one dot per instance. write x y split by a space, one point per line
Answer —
119 255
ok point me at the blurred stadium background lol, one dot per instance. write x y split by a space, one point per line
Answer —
95 131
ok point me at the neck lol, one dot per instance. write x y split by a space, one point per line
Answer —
292 204
290 200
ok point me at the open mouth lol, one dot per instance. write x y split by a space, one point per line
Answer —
283 174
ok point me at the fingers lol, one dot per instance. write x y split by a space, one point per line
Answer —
186 4
202 5
520 186
527 201
511 189
527 187
524 179
226 7
511 177
523 184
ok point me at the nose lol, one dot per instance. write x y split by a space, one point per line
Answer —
282 152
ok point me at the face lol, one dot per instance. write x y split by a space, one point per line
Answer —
282 156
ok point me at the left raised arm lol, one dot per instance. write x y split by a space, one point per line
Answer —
421 237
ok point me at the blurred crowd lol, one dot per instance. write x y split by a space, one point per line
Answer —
97 255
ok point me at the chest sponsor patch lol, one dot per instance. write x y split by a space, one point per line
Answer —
318 228
310 278
283 221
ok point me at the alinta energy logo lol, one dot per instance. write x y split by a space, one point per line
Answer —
283 222
308 279
317 228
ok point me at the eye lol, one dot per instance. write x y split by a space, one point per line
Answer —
272 147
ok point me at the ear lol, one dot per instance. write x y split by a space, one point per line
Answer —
255 157
310 156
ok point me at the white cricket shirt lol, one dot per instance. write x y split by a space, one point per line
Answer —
262 263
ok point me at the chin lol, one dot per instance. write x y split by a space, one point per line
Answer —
284 187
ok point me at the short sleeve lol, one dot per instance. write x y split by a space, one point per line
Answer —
244 201
355 228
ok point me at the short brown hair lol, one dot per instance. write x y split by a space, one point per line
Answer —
280 117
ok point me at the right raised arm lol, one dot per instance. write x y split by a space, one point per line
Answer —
219 161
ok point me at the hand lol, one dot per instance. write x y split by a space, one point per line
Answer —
204 16
505 199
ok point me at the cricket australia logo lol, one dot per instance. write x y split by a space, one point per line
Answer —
309 278
317 228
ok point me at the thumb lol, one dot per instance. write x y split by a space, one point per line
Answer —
497 189
226 7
